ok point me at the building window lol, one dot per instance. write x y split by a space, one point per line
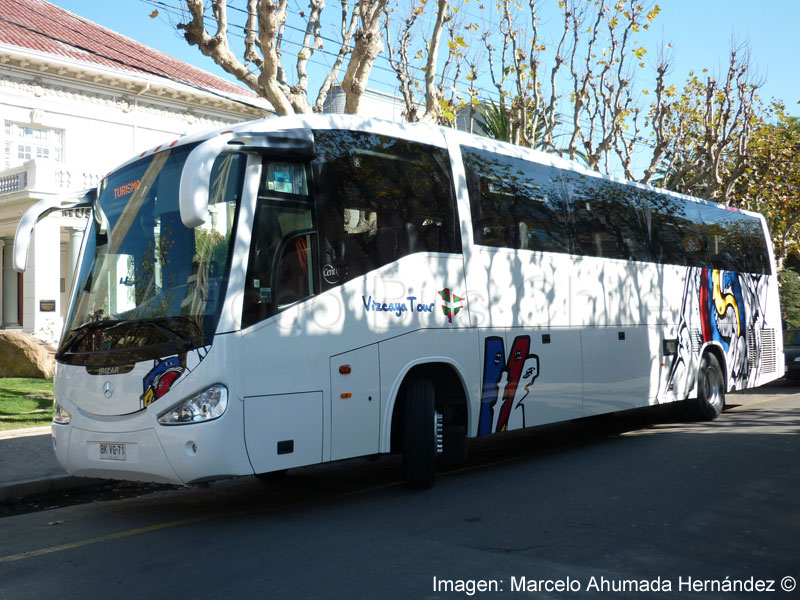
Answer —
24 142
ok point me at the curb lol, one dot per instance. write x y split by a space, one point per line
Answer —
9 434
21 490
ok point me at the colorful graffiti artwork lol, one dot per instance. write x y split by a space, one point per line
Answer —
160 379
506 384
722 308
722 316
167 371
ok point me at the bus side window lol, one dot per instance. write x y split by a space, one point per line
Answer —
379 198
736 241
676 236
607 219
515 203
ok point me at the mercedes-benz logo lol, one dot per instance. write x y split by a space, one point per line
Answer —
108 389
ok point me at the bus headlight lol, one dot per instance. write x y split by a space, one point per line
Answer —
60 415
208 405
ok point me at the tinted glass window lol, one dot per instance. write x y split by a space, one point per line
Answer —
515 203
380 198
607 218
676 233
735 241
281 266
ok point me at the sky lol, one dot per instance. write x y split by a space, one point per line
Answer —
699 31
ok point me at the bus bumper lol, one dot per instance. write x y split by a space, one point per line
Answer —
133 456
140 449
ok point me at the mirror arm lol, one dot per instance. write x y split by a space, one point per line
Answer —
196 180
196 175
37 212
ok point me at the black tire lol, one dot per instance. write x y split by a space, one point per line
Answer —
710 390
419 434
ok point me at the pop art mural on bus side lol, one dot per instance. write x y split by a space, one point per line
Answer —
506 384
166 371
723 308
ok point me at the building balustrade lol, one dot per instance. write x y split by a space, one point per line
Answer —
46 176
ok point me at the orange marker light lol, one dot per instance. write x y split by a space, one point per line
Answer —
347 395
345 369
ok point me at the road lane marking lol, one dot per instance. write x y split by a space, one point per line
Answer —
97 540
168 525
160 526
756 403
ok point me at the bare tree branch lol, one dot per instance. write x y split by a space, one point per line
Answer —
216 47
347 30
368 44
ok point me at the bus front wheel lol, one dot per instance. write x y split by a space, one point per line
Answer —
419 434
710 390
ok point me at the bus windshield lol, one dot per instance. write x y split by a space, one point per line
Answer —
148 285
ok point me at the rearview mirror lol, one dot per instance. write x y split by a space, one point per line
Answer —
196 174
37 212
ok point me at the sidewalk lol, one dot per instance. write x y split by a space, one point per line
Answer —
28 465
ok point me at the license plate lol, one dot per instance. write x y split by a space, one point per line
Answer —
109 451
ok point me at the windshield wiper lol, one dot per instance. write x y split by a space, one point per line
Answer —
181 341
80 332
185 341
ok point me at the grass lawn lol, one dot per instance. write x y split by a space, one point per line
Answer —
25 402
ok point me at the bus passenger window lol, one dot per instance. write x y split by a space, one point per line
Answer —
608 219
676 236
379 199
515 203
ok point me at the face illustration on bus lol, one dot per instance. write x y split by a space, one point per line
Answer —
507 384
160 379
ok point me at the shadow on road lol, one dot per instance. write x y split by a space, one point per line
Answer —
323 483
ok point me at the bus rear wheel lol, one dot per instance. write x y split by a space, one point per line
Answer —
710 390
419 434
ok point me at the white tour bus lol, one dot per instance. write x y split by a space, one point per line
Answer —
307 289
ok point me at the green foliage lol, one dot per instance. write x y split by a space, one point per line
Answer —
25 402
789 282
503 124
494 121
771 183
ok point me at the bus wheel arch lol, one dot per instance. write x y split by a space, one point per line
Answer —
711 385
449 400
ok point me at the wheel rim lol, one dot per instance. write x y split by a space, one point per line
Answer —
713 388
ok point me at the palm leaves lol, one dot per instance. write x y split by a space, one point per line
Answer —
498 122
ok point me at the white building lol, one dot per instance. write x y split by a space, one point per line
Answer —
373 104
76 100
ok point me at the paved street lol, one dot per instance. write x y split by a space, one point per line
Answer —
643 498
